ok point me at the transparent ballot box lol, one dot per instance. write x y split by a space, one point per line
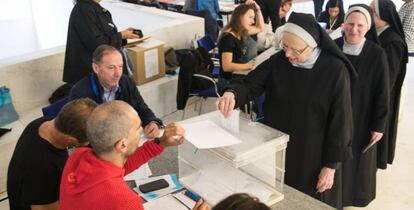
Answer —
255 166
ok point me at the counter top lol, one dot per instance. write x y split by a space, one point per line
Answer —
42 30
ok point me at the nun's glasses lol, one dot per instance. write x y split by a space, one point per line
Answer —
296 52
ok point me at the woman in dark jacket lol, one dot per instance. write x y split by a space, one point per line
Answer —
333 15
90 25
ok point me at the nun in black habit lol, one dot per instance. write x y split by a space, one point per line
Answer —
370 101
307 87
392 39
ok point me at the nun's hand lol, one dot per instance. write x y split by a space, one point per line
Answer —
326 179
375 136
226 103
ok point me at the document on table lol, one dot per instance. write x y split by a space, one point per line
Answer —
184 199
206 134
167 202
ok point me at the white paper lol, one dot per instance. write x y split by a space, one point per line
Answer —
231 123
185 199
142 172
166 202
259 60
336 33
206 134
263 56
151 63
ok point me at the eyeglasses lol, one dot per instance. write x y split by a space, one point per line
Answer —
296 52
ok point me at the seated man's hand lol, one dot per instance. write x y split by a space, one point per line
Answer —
151 130
173 135
201 205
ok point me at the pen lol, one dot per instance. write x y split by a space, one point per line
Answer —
245 110
192 195
251 108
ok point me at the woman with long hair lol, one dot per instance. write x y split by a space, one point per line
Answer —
246 20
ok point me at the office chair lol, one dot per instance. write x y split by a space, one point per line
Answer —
208 44
53 109
203 94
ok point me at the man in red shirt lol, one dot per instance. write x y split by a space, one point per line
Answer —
93 178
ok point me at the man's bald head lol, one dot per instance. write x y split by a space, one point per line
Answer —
109 123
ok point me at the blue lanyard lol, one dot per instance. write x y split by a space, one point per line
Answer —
95 90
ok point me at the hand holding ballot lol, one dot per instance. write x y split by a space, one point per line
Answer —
173 135
226 103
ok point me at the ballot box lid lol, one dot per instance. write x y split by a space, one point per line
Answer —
257 140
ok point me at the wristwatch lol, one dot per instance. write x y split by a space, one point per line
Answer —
157 140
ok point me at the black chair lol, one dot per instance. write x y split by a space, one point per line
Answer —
208 44
194 79
203 94
53 109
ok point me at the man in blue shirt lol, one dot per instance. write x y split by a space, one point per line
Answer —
107 83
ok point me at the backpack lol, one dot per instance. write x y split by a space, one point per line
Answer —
171 62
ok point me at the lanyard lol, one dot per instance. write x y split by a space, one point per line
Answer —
95 89
331 25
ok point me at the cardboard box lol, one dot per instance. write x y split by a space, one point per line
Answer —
148 61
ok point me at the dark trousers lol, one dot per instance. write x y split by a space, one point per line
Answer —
317 4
